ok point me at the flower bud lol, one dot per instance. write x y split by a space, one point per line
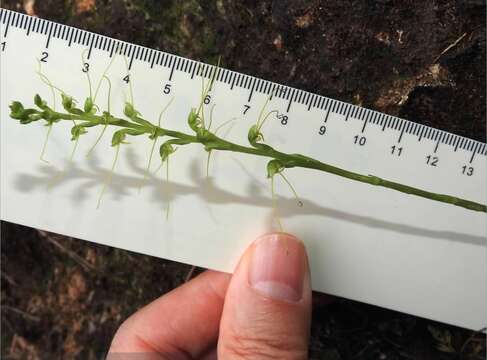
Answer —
39 102
16 110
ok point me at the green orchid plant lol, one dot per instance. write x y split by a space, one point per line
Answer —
134 124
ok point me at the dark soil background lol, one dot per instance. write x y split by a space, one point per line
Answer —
63 298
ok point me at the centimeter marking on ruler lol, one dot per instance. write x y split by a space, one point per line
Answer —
191 67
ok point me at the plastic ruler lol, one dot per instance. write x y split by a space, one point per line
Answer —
369 244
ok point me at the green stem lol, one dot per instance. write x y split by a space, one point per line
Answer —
212 142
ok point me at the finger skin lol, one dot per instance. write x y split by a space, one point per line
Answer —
182 324
255 326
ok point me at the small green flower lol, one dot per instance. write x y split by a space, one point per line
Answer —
77 131
39 102
130 111
254 135
69 105
135 116
16 110
89 107
274 167
26 116
194 121
165 150
68 102
119 137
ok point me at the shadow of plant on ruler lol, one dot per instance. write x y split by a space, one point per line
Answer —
163 191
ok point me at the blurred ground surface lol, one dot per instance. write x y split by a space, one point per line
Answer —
63 298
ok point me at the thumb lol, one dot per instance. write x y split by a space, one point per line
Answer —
267 308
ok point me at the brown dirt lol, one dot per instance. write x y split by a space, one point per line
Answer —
64 298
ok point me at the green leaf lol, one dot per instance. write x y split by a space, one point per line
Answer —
39 102
274 167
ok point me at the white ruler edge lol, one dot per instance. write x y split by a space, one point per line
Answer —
373 245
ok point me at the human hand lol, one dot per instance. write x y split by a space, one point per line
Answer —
262 311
